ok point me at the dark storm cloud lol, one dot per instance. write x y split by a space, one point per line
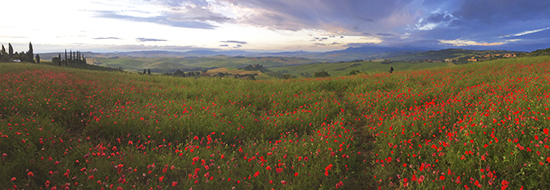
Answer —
149 40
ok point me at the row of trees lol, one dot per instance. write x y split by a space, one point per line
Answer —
11 56
146 71
74 58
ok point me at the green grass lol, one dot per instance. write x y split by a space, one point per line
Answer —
171 64
478 124
342 69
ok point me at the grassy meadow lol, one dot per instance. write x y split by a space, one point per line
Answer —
482 125
366 67
161 65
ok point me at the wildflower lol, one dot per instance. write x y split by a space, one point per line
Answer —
504 184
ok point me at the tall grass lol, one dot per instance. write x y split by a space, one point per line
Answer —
421 129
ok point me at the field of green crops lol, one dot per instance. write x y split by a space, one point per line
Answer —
481 125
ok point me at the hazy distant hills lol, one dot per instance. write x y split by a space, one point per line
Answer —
349 54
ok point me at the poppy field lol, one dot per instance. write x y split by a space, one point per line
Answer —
478 126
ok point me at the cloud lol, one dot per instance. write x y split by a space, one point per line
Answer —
525 33
319 39
384 34
350 16
491 12
224 45
169 20
318 44
459 42
107 38
149 40
238 46
234 41
3 36
176 13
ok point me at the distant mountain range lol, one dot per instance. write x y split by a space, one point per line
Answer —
349 54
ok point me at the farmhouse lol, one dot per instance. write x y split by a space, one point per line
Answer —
510 55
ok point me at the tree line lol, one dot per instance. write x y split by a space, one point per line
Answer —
73 58
13 56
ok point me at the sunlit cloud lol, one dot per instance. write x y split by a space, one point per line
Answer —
459 42
525 33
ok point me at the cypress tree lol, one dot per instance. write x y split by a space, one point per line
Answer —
3 54
10 49
37 58
66 57
149 71
30 53
59 60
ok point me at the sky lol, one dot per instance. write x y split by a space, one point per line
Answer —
273 25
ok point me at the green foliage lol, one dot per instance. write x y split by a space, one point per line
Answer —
321 74
38 58
541 52
354 72
386 61
66 58
255 67
30 54
10 53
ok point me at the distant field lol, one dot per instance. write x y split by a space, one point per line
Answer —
161 65
233 71
342 69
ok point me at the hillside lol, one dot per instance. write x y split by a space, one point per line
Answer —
169 65
64 127
450 54
343 69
